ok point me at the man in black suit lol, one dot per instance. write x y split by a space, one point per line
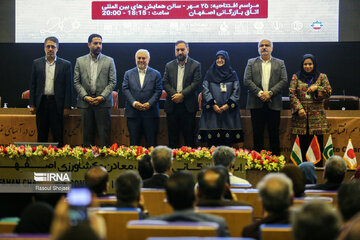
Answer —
161 158
50 92
181 82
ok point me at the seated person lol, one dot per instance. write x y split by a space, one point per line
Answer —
334 173
181 196
212 185
128 187
297 177
97 180
145 167
276 193
349 199
225 156
308 169
161 158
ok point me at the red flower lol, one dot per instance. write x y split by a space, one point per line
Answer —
184 149
44 152
139 150
267 157
146 151
258 157
261 162
102 154
84 150
192 150
175 152
56 149
33 149
4 151
114 147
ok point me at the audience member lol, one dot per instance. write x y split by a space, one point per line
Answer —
356 174
97 180
36 218
225 156
308 169
297 177
145 167
349 199
276 193
128 191
334 173
161 158
351 230
79 232
181 196
316 220
212 185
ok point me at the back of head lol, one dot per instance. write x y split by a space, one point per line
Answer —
308 169
349 199
180 190
161 158
96 179
297 177
335 169
212 182
224 155
145 167
316 220
128 186
276 192
36 218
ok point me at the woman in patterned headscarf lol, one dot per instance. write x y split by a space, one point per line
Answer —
308 89
220 122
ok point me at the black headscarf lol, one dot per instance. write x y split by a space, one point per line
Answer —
225 73
305 76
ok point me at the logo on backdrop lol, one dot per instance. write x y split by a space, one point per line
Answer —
52 177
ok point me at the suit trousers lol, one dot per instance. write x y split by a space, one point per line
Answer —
143 126
49 117
180 120
260 117
96 117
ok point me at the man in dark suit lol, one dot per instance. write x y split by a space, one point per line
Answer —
50 92
161 158
265 77
94 80
181 196
182 79
142 90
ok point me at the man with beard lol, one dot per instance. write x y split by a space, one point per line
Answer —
181 81
265 77
50 92
142 90
94 80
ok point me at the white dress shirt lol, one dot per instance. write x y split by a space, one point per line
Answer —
93 73
49 77
266 71
180 77
142 74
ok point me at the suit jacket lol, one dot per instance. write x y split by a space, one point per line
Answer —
191 83
150 92
253 78
105 82
203 202
156 181
189 215
329 186
62 83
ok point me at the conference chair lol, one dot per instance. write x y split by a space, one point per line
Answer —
25 237
155 201
323 193
302 200
241 185
198 238
250 196
7 227
276 231
236 217
141 230
116 220
106 201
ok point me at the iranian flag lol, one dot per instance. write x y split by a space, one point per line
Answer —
313 153
295 155
349 156
328 150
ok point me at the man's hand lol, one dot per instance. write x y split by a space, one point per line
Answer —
265 96
224 107
139 106
89 99
177 97
146 106
217 109
98 100
32 110
302 113
66 112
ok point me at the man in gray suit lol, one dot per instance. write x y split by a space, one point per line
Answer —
94 80
181 81
265 77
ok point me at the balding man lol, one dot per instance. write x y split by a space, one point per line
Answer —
97 180
142 87
265 77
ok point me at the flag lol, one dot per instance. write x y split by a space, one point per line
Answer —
295 155
328 150
349 156
313 153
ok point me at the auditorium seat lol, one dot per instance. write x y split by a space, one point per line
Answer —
108 200
7 227
302 200
236 217
156 201
25 236
116 220
250 196
198 238
25 94
241 185
323 193
141 230
276 231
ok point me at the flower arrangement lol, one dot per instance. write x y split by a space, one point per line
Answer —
259 161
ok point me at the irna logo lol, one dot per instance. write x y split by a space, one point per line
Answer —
52 177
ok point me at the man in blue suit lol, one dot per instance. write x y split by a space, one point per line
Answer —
50 92
142 89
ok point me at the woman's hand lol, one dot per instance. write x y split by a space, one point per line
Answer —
217 109
312 88
302 113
